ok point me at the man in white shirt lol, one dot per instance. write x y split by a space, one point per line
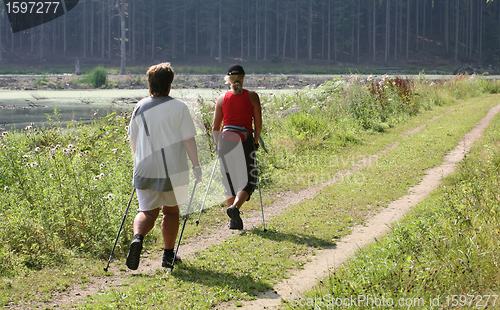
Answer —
161 133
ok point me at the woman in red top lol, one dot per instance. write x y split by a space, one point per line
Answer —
236 143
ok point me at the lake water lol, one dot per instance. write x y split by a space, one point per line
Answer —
19 108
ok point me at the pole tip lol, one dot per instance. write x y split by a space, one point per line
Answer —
106 269
197 222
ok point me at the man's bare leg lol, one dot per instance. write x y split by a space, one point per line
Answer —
170 226
169 231
145 221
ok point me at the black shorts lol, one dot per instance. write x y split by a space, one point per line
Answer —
238 160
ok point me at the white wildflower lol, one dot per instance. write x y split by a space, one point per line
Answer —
109 196
5 188
33 164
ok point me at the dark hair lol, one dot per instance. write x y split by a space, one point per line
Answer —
160 78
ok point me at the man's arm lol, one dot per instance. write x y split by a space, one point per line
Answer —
133 142
192 150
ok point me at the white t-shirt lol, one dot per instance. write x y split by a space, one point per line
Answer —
160 124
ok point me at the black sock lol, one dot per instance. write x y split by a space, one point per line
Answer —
169 252
138 236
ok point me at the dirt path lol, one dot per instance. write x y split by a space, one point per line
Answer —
324 261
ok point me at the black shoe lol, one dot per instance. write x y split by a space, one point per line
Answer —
168 257
235 221
134 253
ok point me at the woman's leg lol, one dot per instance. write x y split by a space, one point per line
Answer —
230 201
240 198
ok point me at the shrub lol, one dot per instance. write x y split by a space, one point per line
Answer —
490 86
98 77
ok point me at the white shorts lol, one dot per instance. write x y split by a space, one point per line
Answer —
151 200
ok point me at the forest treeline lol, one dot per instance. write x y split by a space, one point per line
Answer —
378 31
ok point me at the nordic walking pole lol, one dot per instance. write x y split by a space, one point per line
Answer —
261 207
183 225
208 187
119 231
258 185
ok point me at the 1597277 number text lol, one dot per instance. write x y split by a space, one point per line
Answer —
471 300
24 7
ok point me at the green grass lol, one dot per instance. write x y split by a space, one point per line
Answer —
72 221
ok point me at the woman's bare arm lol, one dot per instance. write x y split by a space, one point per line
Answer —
257 114
217 121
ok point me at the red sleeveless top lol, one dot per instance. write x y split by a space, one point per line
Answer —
238 110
